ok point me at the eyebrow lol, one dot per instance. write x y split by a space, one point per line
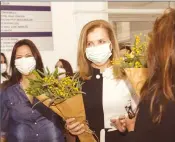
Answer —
98 40
25 55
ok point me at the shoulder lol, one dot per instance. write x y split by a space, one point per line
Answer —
171 104
10 95
9 91
170 110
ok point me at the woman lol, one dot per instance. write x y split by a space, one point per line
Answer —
156 115
20 122
107 94
4 74
124 49
64 67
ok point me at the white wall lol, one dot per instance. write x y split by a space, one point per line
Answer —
67 20
63 34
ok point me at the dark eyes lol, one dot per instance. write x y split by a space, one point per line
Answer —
99 42
102 41
18 57
89 44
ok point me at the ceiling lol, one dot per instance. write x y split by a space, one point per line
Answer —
140 5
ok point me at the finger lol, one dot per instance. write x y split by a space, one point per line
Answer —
70 120
118 125
124 124
123 129
78 128
72 126
78 133
123 121
122 117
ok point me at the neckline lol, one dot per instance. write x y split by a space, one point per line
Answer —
101 72
22 91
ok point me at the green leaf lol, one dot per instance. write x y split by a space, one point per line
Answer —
55 74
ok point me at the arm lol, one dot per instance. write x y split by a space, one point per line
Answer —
69 137
148 131
4 117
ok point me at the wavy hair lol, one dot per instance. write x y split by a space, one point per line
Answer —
161 65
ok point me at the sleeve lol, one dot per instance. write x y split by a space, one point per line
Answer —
138 137
4 116
163 132
114 136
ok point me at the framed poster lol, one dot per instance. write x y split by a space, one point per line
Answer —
26 20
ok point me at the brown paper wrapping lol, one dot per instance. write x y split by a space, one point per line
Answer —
71 108
137 77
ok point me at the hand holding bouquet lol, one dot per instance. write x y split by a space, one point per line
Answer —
63 96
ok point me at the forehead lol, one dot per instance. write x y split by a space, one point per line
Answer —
59 63
97 34
23 50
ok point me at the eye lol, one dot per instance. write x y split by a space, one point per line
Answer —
18 57
102 41
28 56
89 44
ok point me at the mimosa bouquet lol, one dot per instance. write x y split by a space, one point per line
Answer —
62 95
134 63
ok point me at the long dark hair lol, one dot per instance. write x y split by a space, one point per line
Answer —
67 67
5 74
159 88
16 75
123 46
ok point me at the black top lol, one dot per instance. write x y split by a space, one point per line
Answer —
21 123
147 131
93 102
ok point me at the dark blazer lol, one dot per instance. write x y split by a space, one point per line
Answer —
93 103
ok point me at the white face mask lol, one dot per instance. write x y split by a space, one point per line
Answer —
25 65
3 68
61 70
99 54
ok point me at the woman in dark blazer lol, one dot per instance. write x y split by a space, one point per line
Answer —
155 121
107 92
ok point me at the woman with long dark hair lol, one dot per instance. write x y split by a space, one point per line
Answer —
4 65
64 67
19 121
155 120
